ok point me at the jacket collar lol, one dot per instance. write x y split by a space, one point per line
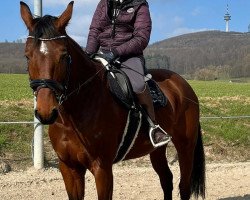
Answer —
130 3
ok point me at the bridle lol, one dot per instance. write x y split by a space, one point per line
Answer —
59 89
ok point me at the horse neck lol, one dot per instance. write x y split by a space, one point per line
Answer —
86 83
82 68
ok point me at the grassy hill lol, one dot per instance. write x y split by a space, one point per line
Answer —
12 58
204 55
213 54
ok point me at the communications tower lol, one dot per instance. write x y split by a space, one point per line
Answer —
227 18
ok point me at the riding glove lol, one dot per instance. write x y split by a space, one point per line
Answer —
109 56
90 55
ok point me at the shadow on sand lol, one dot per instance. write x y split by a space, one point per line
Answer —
245 197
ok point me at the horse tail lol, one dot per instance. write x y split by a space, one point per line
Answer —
198 176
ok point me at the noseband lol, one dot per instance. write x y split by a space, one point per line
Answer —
59 89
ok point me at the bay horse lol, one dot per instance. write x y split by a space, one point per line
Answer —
86 123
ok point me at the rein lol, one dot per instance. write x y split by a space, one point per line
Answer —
83 84
59 89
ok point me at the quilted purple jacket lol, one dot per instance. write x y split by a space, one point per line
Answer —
132 29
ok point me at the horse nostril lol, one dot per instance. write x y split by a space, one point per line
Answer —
54 114
37 115
46 120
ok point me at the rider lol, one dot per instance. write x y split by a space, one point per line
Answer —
121 29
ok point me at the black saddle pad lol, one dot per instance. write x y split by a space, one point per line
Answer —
159 99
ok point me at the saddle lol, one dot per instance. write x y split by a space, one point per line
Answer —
121 89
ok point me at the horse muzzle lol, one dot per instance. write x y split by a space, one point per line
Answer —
49 95
48 119
47 106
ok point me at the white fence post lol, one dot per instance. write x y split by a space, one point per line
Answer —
38 8
38 151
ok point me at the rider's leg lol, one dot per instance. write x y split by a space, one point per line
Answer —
135 72
158 135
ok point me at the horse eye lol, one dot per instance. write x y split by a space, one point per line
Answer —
64 56
27 58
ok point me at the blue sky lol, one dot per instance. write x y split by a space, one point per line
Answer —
170 17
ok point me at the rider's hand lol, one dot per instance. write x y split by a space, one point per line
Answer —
90 55
109 56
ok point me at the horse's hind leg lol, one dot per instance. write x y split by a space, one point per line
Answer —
192 167
185 148
160 165
186 164
74 181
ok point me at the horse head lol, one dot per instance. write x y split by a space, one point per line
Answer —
48 60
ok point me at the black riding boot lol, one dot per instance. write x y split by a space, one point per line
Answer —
157 135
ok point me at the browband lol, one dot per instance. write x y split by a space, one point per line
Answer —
48 39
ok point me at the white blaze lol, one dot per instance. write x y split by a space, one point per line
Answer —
44 48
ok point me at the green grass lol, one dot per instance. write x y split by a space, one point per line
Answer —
16 137
14 87
224 99
220 88
217 98
15 105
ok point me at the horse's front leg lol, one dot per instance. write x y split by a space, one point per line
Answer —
74 180
104 182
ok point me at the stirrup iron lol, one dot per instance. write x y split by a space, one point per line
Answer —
152 128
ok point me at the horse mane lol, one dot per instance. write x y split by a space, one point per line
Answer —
77 46
44 27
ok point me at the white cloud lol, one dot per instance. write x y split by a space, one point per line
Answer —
196 11
55 3
184 30
170 26
178 21
79 27
81 40
79 24
161 1
178 27
83 11
81 19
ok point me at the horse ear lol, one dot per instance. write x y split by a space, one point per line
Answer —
26 15
63 20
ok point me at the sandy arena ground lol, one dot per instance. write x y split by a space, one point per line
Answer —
228 181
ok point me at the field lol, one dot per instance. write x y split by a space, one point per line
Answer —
225 139
224 99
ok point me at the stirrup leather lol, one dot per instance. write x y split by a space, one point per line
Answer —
151 132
